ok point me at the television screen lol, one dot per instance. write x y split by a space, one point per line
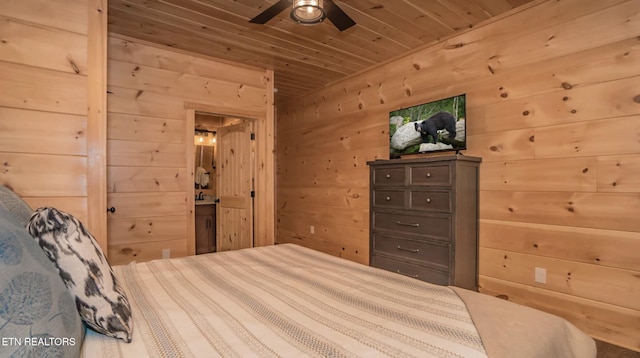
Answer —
428 127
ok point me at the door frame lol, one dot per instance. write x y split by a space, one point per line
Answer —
263 169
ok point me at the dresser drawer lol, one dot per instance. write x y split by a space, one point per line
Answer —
389 176
388 199
429 252
430 174
407 269
430 201
420 224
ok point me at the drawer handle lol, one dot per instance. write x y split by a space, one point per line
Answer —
428 175
405 249
406 274
407 224
388 198
428 200
388 176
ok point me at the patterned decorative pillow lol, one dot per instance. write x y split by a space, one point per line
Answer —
38 317
15 205
84 269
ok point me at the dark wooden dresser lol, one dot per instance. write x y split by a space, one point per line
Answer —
424 218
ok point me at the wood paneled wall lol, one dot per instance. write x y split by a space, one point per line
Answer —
43 103
553 108
150 141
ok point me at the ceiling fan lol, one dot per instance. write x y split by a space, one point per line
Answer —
308 12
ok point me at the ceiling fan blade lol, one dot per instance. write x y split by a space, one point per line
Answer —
271 12
338 17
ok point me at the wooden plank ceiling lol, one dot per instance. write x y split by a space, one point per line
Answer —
303 58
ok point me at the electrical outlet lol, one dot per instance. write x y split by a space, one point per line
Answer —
166 253
540 275
312 229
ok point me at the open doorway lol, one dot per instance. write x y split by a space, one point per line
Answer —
224 179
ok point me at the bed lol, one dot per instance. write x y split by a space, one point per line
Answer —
57 291
290 301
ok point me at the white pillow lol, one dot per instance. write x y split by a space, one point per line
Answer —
100 300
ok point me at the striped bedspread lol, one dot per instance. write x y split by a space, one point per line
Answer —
285 301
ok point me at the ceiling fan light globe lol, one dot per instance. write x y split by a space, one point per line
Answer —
308 12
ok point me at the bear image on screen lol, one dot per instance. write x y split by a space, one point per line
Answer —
429 127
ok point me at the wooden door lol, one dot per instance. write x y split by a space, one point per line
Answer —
147 176
233 186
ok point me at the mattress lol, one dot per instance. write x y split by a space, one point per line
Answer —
290 301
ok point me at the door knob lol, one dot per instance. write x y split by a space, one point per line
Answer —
111 210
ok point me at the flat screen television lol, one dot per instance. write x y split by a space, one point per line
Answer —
428 127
